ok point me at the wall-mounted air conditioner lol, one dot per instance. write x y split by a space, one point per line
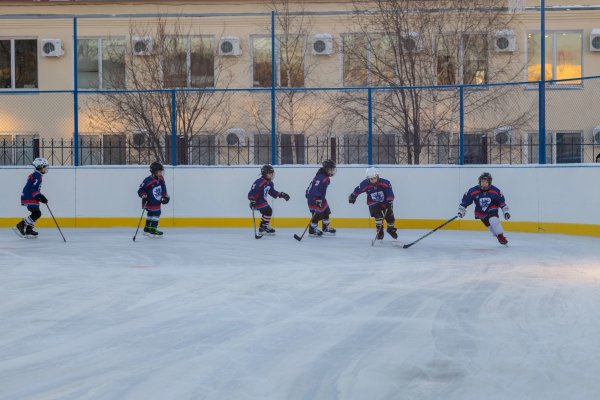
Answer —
322 44
595 40
230 46
505 41
235 136
596 134
141 45
52 48
411 42
504 134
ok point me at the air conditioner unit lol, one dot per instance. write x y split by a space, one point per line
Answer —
141 45
52 48
411 42
235 136
230 46
505 41
504 134
322 44
595 40
596 134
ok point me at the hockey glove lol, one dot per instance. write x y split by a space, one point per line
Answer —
284 196
506 212
252 204
352 198
390 204
42 199
461 211
165 200
319 203
144 201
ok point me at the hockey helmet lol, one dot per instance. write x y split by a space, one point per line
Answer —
156 166
267 169
329 167
372 172
40 163
487 176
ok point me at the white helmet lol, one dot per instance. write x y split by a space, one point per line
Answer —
40 163
372 172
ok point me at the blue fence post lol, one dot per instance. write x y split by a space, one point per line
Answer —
542 88
173 127
461 126
370 121
273 82
75 98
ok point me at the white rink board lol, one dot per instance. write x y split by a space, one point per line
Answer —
552 193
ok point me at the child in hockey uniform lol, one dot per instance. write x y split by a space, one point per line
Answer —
380 199
257 195
31 198
317 203
153 192
488 199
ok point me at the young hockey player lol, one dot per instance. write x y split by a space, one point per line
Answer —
31 198
317 203
257 195
153 192
380 199
488 199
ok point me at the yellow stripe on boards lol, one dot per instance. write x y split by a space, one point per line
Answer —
169 222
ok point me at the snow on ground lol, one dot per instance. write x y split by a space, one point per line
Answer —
216 314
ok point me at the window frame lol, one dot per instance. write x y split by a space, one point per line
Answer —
551 146
278 60
13 78
100 59
460 59
188 61
554 85
12 149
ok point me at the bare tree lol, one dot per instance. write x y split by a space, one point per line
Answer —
179 62
415 43
299 113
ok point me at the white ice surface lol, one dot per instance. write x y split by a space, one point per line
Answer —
216 314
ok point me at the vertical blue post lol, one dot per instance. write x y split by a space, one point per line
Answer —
273 82
173 128
461 126
370 122
75 98
542 88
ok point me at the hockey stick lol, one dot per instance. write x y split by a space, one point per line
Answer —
380 228
256 235
61 234
139 222
299 238
406 246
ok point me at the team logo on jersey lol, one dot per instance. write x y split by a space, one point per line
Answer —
485 202
377 196
157 193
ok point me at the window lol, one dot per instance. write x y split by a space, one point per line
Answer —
101 63
355 64
462 61
18 64
189 62
475 148
356 148
19 149
203 149
292 148
262 148
90 150
290 64
561 147
564 54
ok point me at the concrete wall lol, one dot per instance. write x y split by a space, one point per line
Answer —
558 199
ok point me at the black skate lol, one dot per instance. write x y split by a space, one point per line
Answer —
380 233
147 231
328 231
19 229
30 233
266 230
502 239
392 232
315 231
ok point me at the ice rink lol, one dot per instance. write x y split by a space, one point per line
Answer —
215 314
